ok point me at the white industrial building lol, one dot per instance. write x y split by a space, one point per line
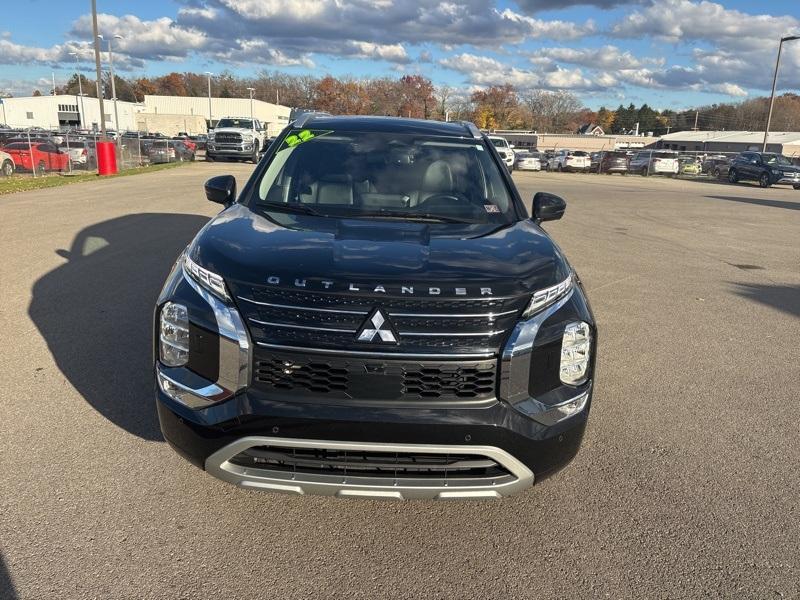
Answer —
274 116
165 114
783 142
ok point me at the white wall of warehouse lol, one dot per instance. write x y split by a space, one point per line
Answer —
43 111
274 116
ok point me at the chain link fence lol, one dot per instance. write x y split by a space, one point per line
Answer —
38 153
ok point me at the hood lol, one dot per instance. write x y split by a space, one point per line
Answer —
378 256
785 168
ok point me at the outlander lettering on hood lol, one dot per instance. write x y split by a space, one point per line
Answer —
324 284
376 315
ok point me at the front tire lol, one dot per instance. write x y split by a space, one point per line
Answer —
796 186
254 158
764 181
209 158
644 172
7 170
733 176
41 168
716 173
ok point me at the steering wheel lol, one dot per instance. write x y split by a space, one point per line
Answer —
456 202
448 199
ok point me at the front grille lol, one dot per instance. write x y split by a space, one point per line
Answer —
313 378
371 464
328 321
225 137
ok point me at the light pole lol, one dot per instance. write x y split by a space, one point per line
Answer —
209 74
113 83
80 87
97 68
252 122
788 38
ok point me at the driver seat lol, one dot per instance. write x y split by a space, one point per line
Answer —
438 179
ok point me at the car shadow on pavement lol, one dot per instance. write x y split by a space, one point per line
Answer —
7 591
762 201
96 312
783 297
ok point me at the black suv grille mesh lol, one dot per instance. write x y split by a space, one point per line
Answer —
316 377
331 320
373 464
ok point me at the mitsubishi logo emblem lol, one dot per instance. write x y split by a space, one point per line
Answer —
377 325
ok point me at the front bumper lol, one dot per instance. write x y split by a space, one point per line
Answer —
243 150
514 430
211 437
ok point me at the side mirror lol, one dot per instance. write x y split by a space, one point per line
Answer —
548 207
221 189
512 146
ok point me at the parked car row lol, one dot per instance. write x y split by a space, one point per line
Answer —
766 168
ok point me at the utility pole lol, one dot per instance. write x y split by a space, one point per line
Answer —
788 38
80 89
113 83
97 68
696 114
252 121
209 74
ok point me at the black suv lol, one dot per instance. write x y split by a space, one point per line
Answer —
767 168
375 315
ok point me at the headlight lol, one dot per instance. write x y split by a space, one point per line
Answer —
575 350
210 137
174 335
208 279
547 296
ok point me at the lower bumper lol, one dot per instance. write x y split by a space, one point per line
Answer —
344 484
243 151
525 448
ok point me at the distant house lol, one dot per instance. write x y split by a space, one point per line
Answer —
591 129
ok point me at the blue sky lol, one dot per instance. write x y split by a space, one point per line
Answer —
668 53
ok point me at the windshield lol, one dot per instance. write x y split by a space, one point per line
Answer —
776 159
384 175
238 123
499 142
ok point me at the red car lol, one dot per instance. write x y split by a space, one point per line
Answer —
186 140
46 156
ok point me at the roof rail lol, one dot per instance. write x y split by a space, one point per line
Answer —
472 129
306 117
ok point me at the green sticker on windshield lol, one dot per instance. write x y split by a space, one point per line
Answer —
299 138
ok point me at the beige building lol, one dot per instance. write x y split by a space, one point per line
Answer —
163 114
782 142
274 116
588 143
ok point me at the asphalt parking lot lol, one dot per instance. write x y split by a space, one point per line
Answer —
686 485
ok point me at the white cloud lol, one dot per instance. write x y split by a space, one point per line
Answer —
158 39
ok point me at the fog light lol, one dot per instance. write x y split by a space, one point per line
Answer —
575 350
174 335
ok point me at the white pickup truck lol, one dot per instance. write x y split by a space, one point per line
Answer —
236 137
504 149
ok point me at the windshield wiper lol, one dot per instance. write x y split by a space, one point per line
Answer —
302 209
411 216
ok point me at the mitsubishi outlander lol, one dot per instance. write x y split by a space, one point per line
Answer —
375 314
